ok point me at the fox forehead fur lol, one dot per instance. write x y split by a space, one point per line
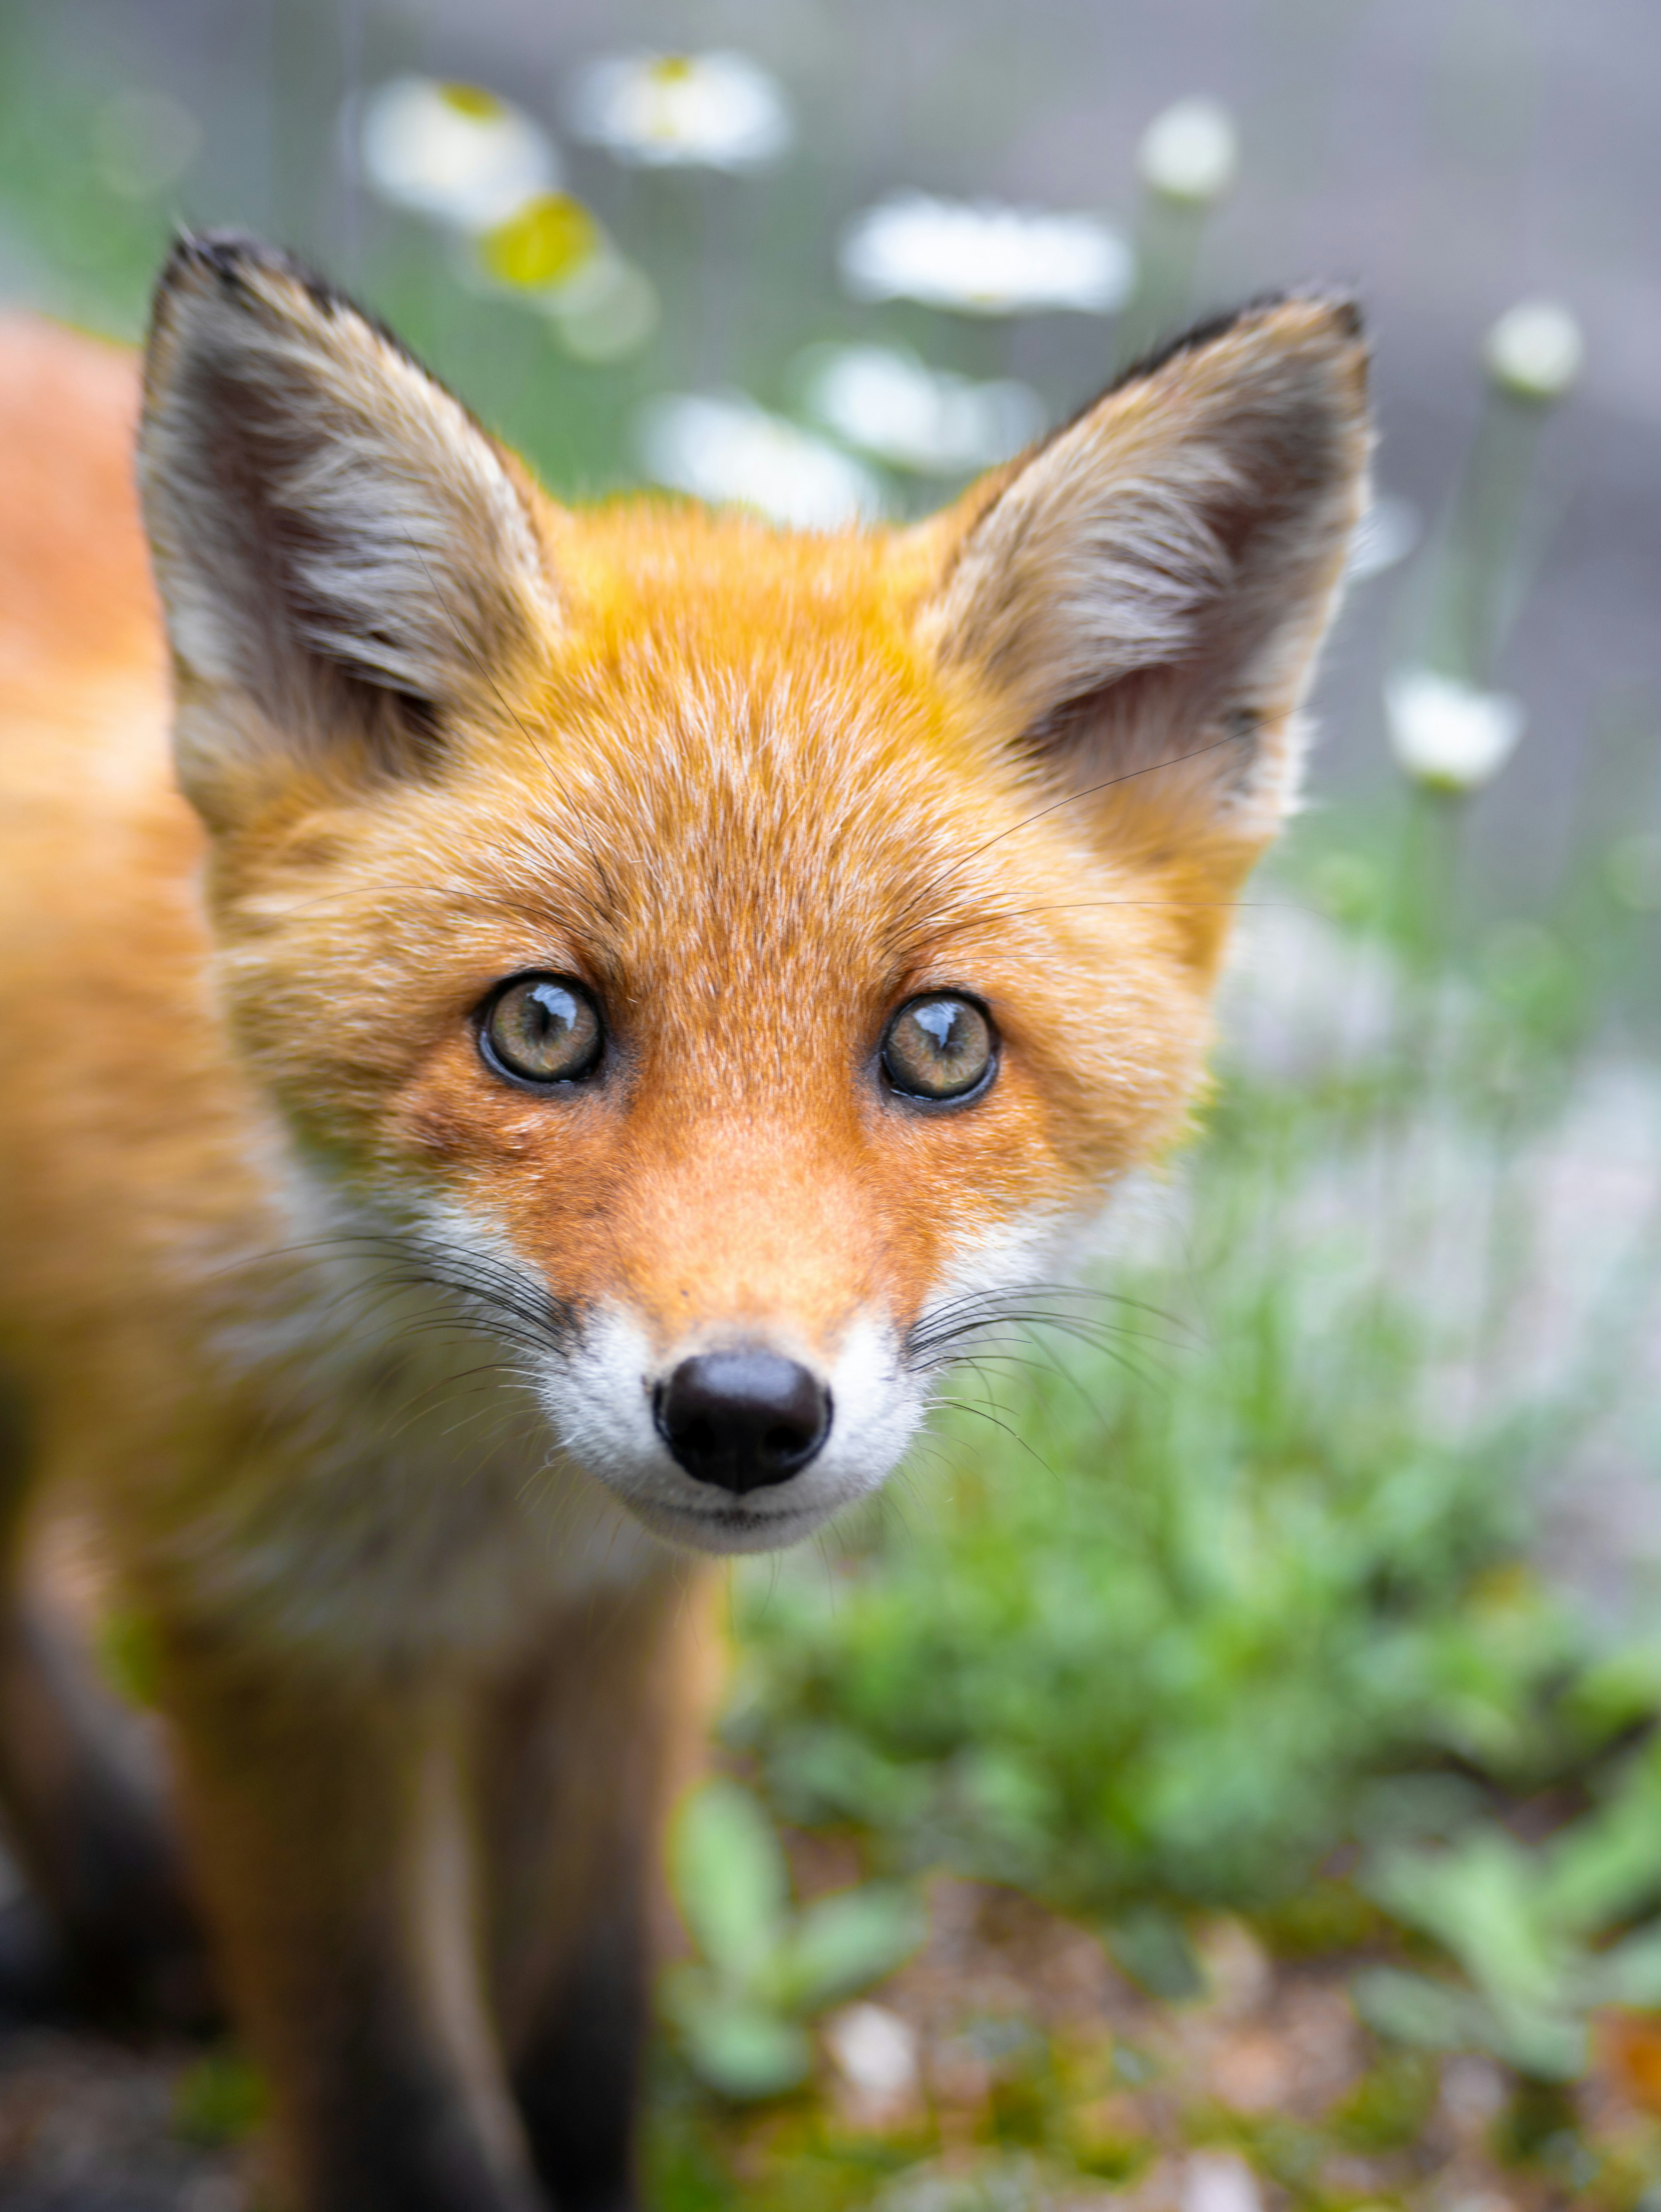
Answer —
756 791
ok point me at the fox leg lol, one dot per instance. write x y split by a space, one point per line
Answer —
85 1807
82 1788
333 1837
583 1748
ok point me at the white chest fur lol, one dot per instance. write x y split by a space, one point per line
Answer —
398 1491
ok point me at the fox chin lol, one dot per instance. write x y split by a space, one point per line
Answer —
534 1036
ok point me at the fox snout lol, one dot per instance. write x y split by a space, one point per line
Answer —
735 1438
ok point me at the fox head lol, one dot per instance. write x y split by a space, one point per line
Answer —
729 960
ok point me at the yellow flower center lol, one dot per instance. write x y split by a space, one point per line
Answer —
544 242
472 101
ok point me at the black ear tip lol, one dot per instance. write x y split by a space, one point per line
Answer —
253 275
228 259
224 255
1343 310
1339 308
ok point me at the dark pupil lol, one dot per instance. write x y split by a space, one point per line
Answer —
548 1015
938 1048
944 1026
545 1031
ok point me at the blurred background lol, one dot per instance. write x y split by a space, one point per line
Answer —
1223 1774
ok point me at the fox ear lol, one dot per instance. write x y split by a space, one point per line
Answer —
1147 590
345 558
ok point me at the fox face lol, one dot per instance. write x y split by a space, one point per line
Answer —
729 965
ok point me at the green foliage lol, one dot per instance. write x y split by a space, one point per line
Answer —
1390 2106
766 1968
220 2100
1528 1927
1129 1639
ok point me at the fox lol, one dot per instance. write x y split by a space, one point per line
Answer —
530 1033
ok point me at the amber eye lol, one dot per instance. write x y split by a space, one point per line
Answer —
940 1046
542 1029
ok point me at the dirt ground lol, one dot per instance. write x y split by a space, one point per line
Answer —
1008 2068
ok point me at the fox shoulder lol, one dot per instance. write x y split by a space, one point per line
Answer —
69 534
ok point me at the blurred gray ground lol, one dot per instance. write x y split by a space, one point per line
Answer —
1446 157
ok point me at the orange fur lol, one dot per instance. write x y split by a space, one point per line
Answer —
755 792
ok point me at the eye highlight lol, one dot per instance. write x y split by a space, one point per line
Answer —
542 1029
939 1047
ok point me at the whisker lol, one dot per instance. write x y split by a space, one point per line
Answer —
960 1406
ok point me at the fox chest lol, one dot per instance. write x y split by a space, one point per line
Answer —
399 1501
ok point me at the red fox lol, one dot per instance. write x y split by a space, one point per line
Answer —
588 1010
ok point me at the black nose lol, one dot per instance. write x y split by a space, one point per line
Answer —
742 1420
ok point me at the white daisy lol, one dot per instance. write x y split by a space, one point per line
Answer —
728 450
912 417
546 242
1448 734
453 152
982 259
712 111
1190 152
1536 351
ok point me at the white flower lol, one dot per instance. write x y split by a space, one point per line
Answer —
726 450
1219 2181
556 256
1448 734
452 151
714 111
1386 533
984 259
874 2049
916 417
1535 351
543 244
607 310
1189 153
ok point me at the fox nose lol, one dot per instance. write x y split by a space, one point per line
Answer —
742 1420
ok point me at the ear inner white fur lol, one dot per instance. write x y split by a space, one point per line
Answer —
334 537
1152 584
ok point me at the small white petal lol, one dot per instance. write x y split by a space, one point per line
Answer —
983 258
1448 734
1190 152
1535 350
730 451
916 417
874 2049
450 153
1217 2181
714 110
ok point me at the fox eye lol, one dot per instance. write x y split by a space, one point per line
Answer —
939 1047
542 1029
